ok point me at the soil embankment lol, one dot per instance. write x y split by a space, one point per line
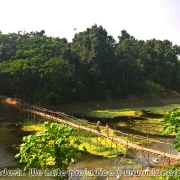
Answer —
7 113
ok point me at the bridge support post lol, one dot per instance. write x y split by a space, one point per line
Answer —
34 110
19 108
90 141
169 161
169 150
24 112
28 111
114 130
170 146
148 148
164 153
116 149
126 149
142 157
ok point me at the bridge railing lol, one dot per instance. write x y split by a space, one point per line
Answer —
129 138
55 114
146 142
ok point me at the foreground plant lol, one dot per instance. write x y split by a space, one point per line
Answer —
171 173
172 125
54 144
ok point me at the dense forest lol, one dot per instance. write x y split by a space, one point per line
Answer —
93 66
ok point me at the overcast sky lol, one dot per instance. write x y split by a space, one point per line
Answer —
143 19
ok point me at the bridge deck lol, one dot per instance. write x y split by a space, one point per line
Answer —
113 138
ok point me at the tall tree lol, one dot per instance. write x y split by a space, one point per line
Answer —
128 68
94 48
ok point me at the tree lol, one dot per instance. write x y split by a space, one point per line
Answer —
55 144
55 82
91 67
127 66
171 122
8 44
95 52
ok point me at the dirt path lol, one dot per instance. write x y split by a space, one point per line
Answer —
7 113
7 100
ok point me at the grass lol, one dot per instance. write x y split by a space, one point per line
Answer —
114 107
139 117
90 143
32 125
112 113
99 146
33 128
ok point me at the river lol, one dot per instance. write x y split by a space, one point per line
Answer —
10 134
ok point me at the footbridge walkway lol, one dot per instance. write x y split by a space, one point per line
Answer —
129 141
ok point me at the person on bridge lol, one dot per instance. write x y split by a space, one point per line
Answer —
107 129
98 126
55 115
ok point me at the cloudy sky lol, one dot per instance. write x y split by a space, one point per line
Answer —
143 19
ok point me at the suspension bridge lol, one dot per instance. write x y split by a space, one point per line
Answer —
129 141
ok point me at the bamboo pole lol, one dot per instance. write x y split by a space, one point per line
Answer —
164 153
116 150
169 150
126 149
90 138
19 108
114 134
34 110
142 153
85 135
148 145
24 112
170 146
28 111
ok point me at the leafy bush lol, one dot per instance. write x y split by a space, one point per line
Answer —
171 122
153 88
53 145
